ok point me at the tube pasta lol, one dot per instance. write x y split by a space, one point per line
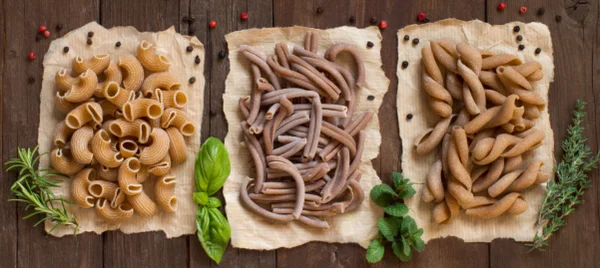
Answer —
120 213
172 99
64 81
127 148
162 80
63 162
62 134
84 113
133 72
63 105
83 89
103 189
139 108
97 64
111 74
150 60
103 152
160 168
117 95
165 193
142 204
80 145
127 176
179 119
158 148
138 128
177 148
107 174
79 188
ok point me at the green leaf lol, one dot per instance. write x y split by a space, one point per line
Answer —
200 198
382 194
398 248
418 244
402 185
375 251
213 232
388 227
396 210
213 202
408 226
212 166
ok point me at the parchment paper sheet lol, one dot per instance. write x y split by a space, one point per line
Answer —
253 232
168 43
411 99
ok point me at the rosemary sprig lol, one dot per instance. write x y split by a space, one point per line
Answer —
566 192
32 187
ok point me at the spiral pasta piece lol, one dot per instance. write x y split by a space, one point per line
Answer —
127 176
133 72
469 67
518 180
496 116
103 151
513 203
165 193
162 80
530 139
515 83
445 54
432 137
446 210
80 145
98 63
158 148
63 162
492 62
179 119
150 60
79 188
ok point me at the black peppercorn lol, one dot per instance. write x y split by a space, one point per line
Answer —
409 116
370 97
192 19
189 49
319 10
558 18
65 49
404 64
185 18
192 80
426 20
89 41
521 47
516 29
370 44
352 19
373 20
416 41
541 11
59 27
118 44
197 59
192 30
31 80
406 37
222 54
90 34
519 38
538 50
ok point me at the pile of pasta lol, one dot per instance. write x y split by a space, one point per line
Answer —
487 109
304 138
124 124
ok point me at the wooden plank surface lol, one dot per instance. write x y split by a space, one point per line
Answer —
576 43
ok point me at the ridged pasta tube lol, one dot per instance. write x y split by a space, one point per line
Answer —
133 72
142 204
98 63
164 192
137 128
64 163
117 95
162 80
64 81
150 60
103 151
177 147
80 145
79 188
178 119
127 176
158 148
62 134
84 89
139 108
111 74
122 212
84 113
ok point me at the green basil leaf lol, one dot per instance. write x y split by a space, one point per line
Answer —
200 198
382 194
396 210
212 166
213 232
375 251
388 228
213 202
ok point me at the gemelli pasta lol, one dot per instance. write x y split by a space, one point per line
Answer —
125 125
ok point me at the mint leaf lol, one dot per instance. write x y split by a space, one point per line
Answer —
418 244
375 251
408 226
396 210
398 248
405 247
382 194
388 227
402 185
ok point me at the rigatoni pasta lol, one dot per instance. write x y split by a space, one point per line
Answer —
124 126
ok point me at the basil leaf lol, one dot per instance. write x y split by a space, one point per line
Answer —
213 202
388 228
382 194
375 251
200 198
396 210
213 232
212 166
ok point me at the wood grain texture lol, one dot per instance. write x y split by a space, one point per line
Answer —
576 244
21 101
145 249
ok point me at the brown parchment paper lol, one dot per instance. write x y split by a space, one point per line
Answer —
168 43
411 99
253 232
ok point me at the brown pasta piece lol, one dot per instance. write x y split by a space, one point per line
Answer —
432 137
513 203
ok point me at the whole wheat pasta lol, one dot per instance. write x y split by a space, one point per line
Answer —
64 81
255 96
63 105
160 168
127 176
143 174
137 128
96 64
142 204
117 95
107 174
62 134
517 84
495 116
454 85
127 147
83 89
158 148
491 174
133 72
469 66
518 180
165 193
84 113
120 213
491 80
530 139
439 98
108 108
445 53
162 80
103 189
334 50
432 137
172 98
146 108
178 119
532 70
444 212
177 147
79 188
513 203
257 58
150 59
103 152
63 162
111 74
434 190
80 145
493 61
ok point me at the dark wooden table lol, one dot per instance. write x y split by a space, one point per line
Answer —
576 40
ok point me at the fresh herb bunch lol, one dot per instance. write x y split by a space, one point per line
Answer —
395 227
32 187
566 192
211 170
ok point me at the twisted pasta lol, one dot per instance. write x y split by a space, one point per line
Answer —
469 67
513 203
98 63
150 60
519 180
434 190
496 116
432 137
165 193
439 99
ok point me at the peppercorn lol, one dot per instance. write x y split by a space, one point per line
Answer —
373 20
42 28
46 34
197 59
538 50
118 44
352 19
31 56
212 24
370 44
416 41
521 47
185 19
189 48
89 41
370 97
383 24
523 9
65 49
59 27
192 80
31 80
244 16
501 6
404 64
541 11
409 116
519 38
192 19
516 29
90 34
558 18
426 20
421 16
222 54
319 10
192 30
406 37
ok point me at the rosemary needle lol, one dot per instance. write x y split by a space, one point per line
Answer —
565 193
32 187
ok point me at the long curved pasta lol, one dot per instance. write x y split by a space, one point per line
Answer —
84 113
111 74
177 147
84 89
138 128
162 80
142 204
158 148
165 193
445 53
515 83
439 99
133 72
98 63
492 62
432 137
80 145
513 203
334 50
469 67
139 108
127 176
103 151
444 212
178 119
519 180
434 190
150 60
64 163
122 212
496 116
79 188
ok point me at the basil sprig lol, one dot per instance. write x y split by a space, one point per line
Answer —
211 170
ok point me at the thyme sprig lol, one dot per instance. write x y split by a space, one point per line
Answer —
33 187
566 192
